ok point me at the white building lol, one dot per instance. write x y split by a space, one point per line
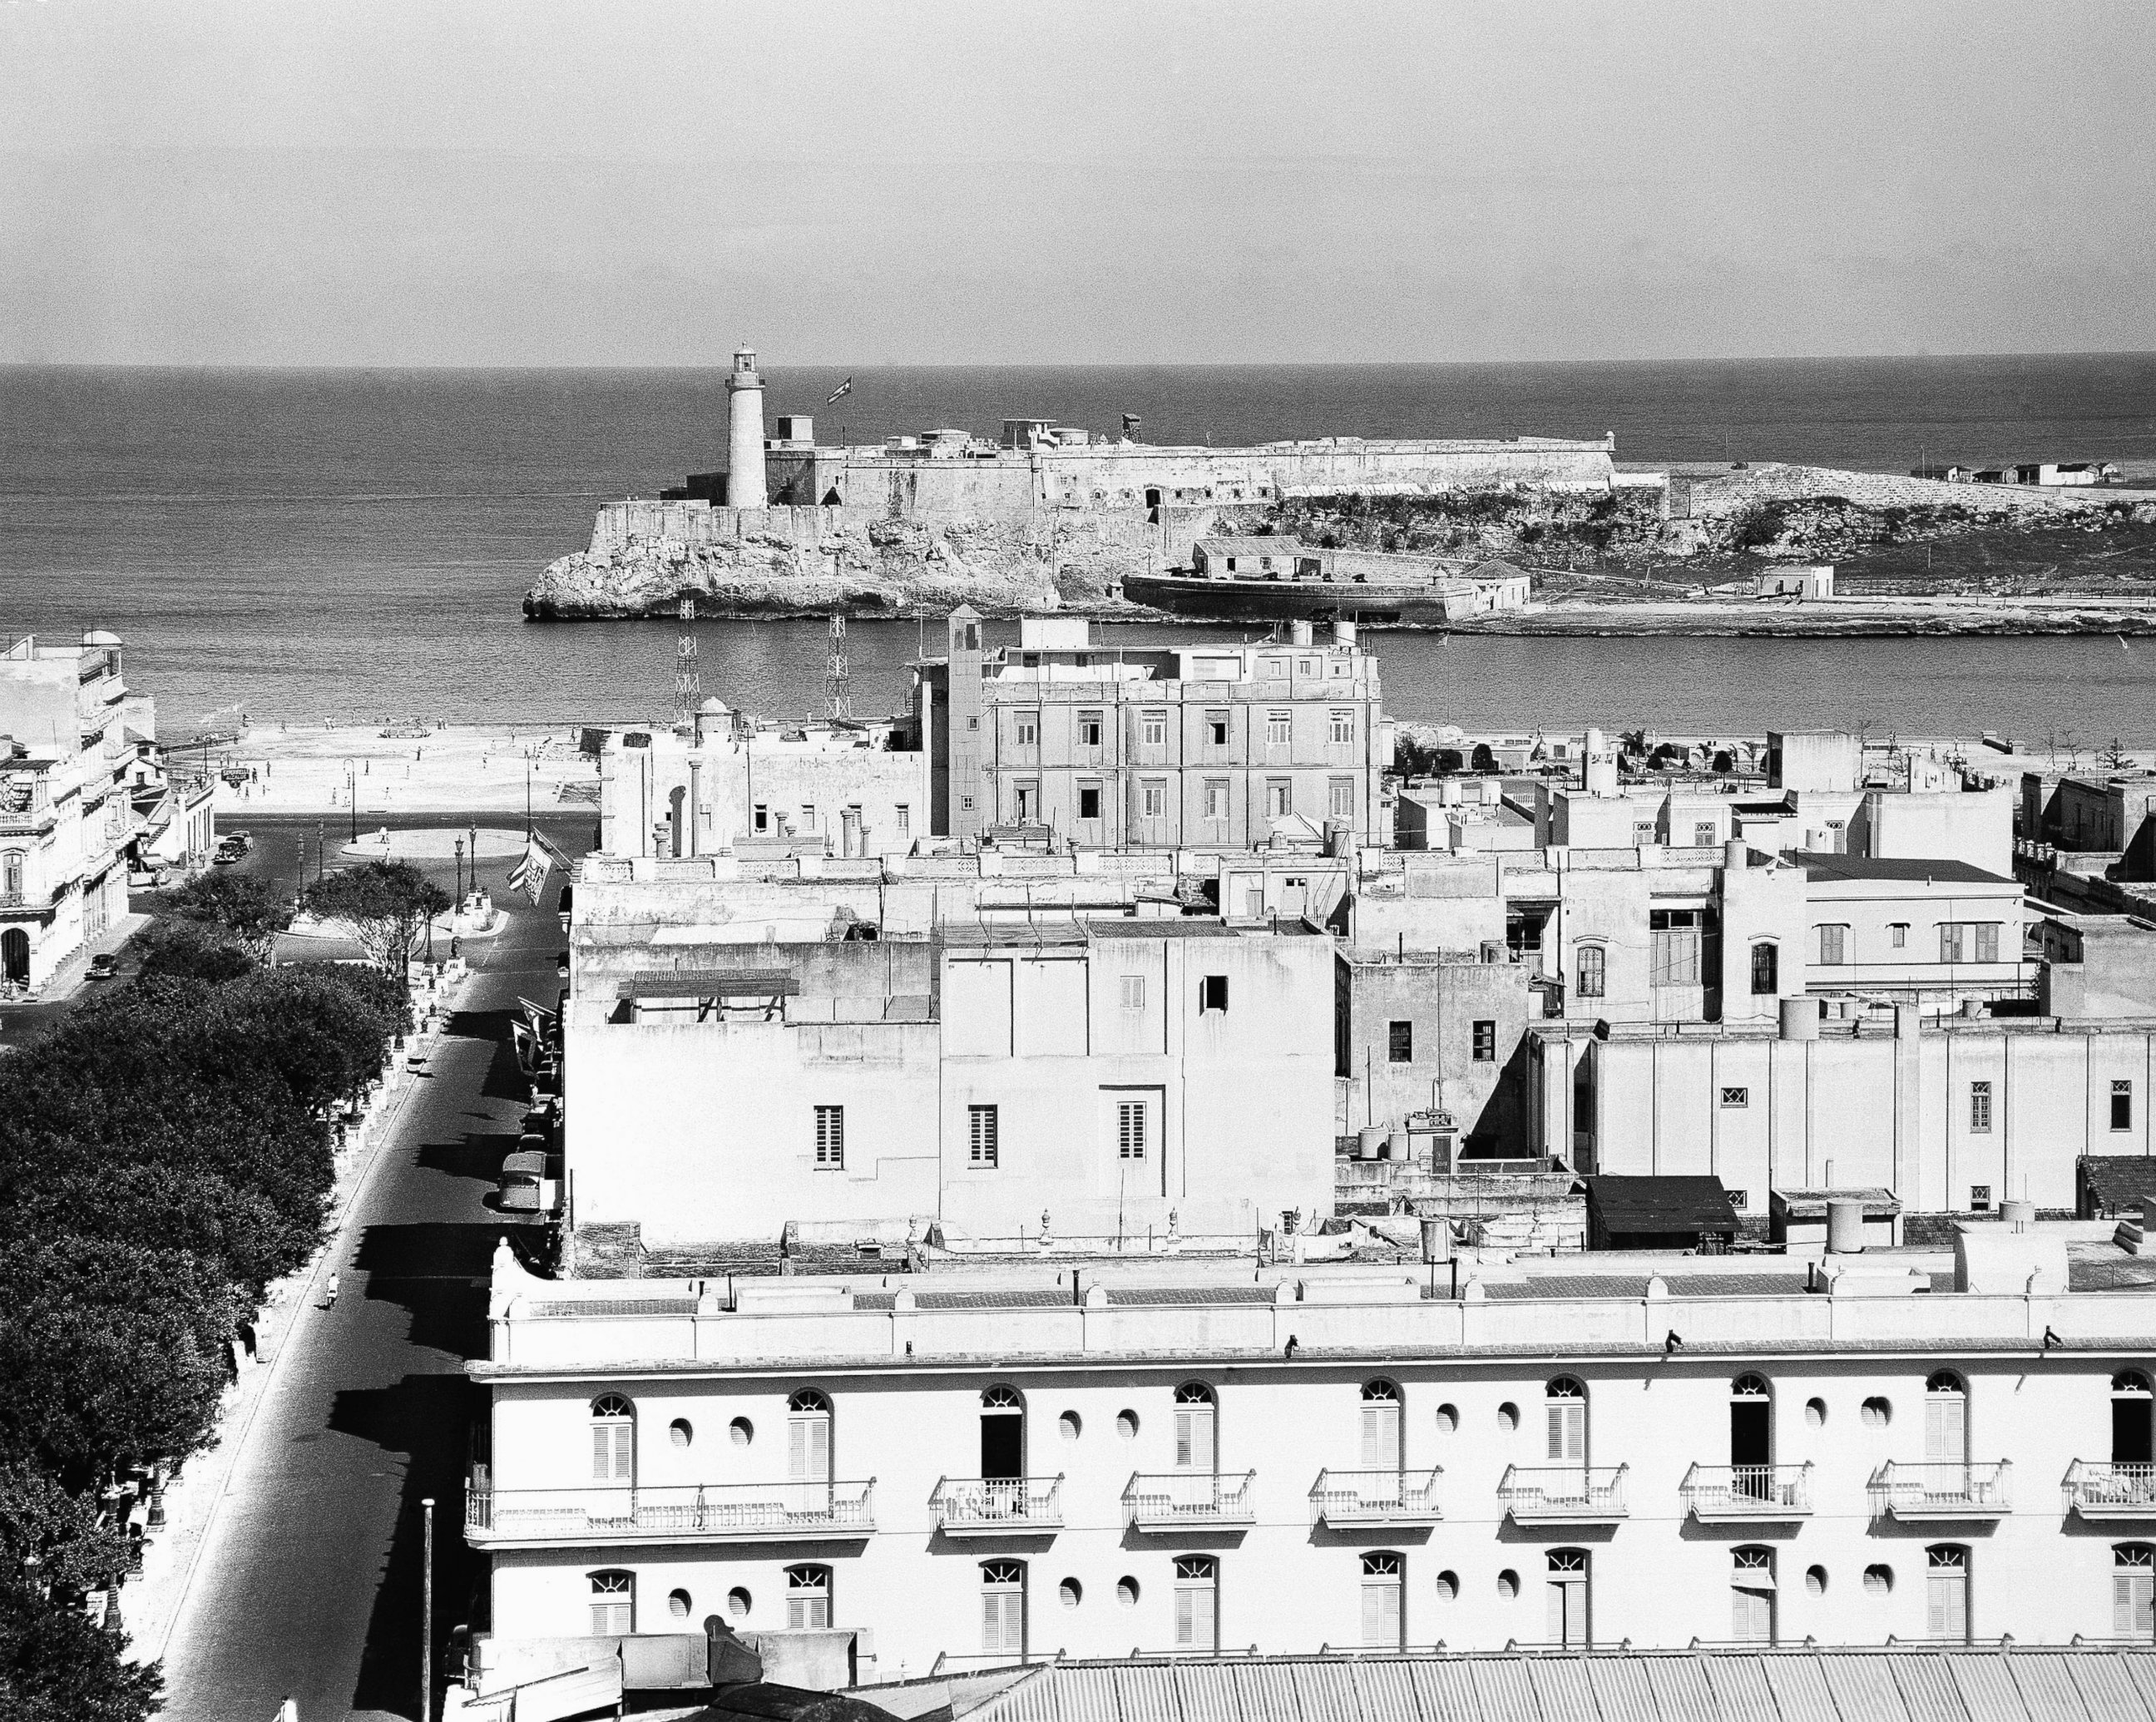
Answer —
1082 1458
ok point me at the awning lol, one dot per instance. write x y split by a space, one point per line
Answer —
707 984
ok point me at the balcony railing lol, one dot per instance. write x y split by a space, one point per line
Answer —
1942 1489
1562 1494
730 1512
2099 1491
1376 1499
1720 1494
1171 1499
992 1506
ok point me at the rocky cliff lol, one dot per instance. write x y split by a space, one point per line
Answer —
1072 561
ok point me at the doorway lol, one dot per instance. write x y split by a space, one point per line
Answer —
1751 1436
15 955
2132 1408
1003 1436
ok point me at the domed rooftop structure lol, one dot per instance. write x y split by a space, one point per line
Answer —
99 636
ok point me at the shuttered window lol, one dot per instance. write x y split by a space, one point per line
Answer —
1381 1426
614 1440
1195 1415
1946 1421
1003 1607
1946 1593
809 1598
1565 1419
1566 1595
809 1438
1130 1129
2133 1591
981 1135
1197 1602
1381 1601
613 1604
830 1136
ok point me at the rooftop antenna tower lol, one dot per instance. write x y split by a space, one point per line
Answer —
688 690
837 683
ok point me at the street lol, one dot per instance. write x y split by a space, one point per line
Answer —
308 1583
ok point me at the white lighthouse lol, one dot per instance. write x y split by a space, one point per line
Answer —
745 433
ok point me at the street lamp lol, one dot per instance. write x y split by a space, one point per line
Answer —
351 794
460 868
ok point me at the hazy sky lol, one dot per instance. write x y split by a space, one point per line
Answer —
474 182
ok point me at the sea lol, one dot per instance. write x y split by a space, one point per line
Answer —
353 545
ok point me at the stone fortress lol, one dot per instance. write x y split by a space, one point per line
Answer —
1046 516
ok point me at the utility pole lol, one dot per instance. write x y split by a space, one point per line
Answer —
427 1615
687 682
838 682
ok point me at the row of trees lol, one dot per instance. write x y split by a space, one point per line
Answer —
164 1152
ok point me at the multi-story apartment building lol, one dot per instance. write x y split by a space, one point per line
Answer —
1210 747
1079 1457
65 802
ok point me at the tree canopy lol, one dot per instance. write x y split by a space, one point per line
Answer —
387 903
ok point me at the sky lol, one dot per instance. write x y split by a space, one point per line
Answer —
942 181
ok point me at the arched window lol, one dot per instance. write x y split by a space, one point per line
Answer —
1003 1607
2132 1419
1751 1595
11 874
613 1439
1381 1426
2133 1591
808 1598
1766 968
1196 1414
1589 964
613 1604
1383 1585
1751 1436
1946 1593
1002 1435
1564 1407
1946 1419
1568 1602
1197 1602
809 1437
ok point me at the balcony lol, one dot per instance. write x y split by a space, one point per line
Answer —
998 1506
712 1513
1375 1500
1743 1495
1564 1494
1175 1500
2111 1492
1942 1489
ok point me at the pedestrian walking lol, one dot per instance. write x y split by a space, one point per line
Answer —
331 1302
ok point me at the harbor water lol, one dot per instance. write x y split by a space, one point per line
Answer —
353 544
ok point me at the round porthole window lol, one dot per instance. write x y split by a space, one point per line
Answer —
681 1431
1126 1591
1877 1414
1815 1580
678 1605
1508 1583
737 1603
1815 1413
1508 1415
1447 1586
1126 1424
1448 1419
1070 1425
1878 1580
742 1432
1071 1592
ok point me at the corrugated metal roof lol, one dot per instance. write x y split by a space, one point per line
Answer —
1208 1690
1681 1693
2140 1668
1985 1686
1561 1685
1326 1691
1502 1690
1928 1690
1444 1687
2107 1689
2046 1689
1383 1689
1863 1686
1739 1685
1621 1692
1798 1684
1146 1697
1082 1694
1267 1692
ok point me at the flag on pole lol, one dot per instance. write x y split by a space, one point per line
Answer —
529 875
843 390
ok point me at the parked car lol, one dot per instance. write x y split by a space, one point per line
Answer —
104 966
245 840
149 879
227 852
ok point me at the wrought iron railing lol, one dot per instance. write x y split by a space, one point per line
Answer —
1188 1497
1941 1488
1343 1497
603 1513
1561 1492
988 1504
1747 1491
2115 1491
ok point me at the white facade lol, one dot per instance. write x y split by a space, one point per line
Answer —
1191 1461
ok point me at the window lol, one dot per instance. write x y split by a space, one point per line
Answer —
1979 1106
1382 1615
1279 797
1280 729
830 1136
1216 729
1702 835
808 1598
1089 729
2121 1105
2132 1422
1025 728
614 1440
760 818
1766 970
1152 797
905 817
1197 1602
1740 1200
807 817
1029 801
1736 1098
1342 731
1564 1407
809 1437
1589 965
1485 1042
965 803
2133 1591
1968 941
1752 1595
1643 833
1399 1043
1152 729
1946 1593
1133 987
1946 1420
1568 1598
1381 1426
1979 1199
1130 1129
1340 802
1833 946
1673 943
1213 994
11 874
1898 935
1216 798
981 1135
613 1604
1003 1607
1305 667
1195 1415
1089 801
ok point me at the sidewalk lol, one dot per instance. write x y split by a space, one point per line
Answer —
150 1602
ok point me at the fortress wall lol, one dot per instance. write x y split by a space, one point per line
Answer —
701 523
1003 490
1122 476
